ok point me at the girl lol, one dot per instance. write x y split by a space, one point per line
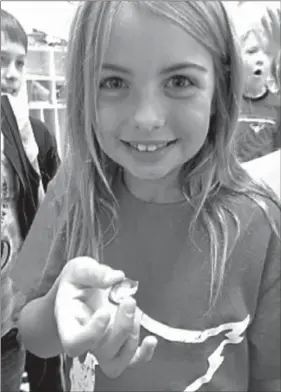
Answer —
260 112
151 186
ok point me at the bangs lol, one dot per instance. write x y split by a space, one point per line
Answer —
13 30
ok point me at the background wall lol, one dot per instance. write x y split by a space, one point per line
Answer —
52 17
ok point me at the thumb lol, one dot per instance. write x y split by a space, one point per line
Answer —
86 272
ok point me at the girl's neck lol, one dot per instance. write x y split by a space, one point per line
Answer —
161 191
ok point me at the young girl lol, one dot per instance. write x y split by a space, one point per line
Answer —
260 112
151 186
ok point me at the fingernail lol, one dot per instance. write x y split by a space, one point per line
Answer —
120 274
136 331
129 306
114 274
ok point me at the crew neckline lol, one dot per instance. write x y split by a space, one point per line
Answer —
123 189
259 97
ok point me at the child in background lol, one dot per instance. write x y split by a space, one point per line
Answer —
260 114
271 21
151 185
267 168
29 160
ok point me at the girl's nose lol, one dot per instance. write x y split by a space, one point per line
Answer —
149 115
260 63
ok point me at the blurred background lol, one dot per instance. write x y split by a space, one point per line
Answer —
48 24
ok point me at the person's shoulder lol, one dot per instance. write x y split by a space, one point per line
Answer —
44 138
253 210
38 126
272 100
263 106
254 240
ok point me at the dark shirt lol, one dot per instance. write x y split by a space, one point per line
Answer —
258 131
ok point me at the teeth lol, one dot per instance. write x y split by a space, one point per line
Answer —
140 147
148 148
151 148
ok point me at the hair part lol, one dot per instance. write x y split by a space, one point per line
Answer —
13 30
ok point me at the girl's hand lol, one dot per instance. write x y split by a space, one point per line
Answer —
86 321
271 25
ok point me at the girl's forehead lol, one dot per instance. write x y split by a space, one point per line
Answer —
133 18
257 39
251 39
139 33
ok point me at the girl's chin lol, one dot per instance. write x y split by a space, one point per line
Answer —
256 87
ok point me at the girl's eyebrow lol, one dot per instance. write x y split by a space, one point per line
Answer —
182 67
116 68
170 69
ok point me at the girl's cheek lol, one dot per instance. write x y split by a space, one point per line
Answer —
108 119
114 120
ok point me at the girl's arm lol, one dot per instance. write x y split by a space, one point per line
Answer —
75 317
59 316
38 328
39 318
264 332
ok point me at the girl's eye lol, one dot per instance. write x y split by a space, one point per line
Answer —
113 83
252 50
20 64
178 82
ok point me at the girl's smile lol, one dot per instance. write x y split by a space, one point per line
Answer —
149 146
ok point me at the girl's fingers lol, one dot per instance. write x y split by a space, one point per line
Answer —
130 355
119 332
145 352
76 338
271 23
114 367
85 272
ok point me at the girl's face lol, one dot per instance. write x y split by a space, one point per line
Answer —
256 62
155 97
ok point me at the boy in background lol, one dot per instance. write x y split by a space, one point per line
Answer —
29 160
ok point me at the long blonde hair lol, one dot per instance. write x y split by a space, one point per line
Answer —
209 180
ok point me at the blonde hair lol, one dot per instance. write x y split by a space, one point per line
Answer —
210 180
248 19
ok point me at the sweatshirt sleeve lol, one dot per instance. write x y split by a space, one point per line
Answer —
40 260
264 333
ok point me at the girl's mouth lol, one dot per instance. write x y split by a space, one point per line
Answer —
258 72
149 147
